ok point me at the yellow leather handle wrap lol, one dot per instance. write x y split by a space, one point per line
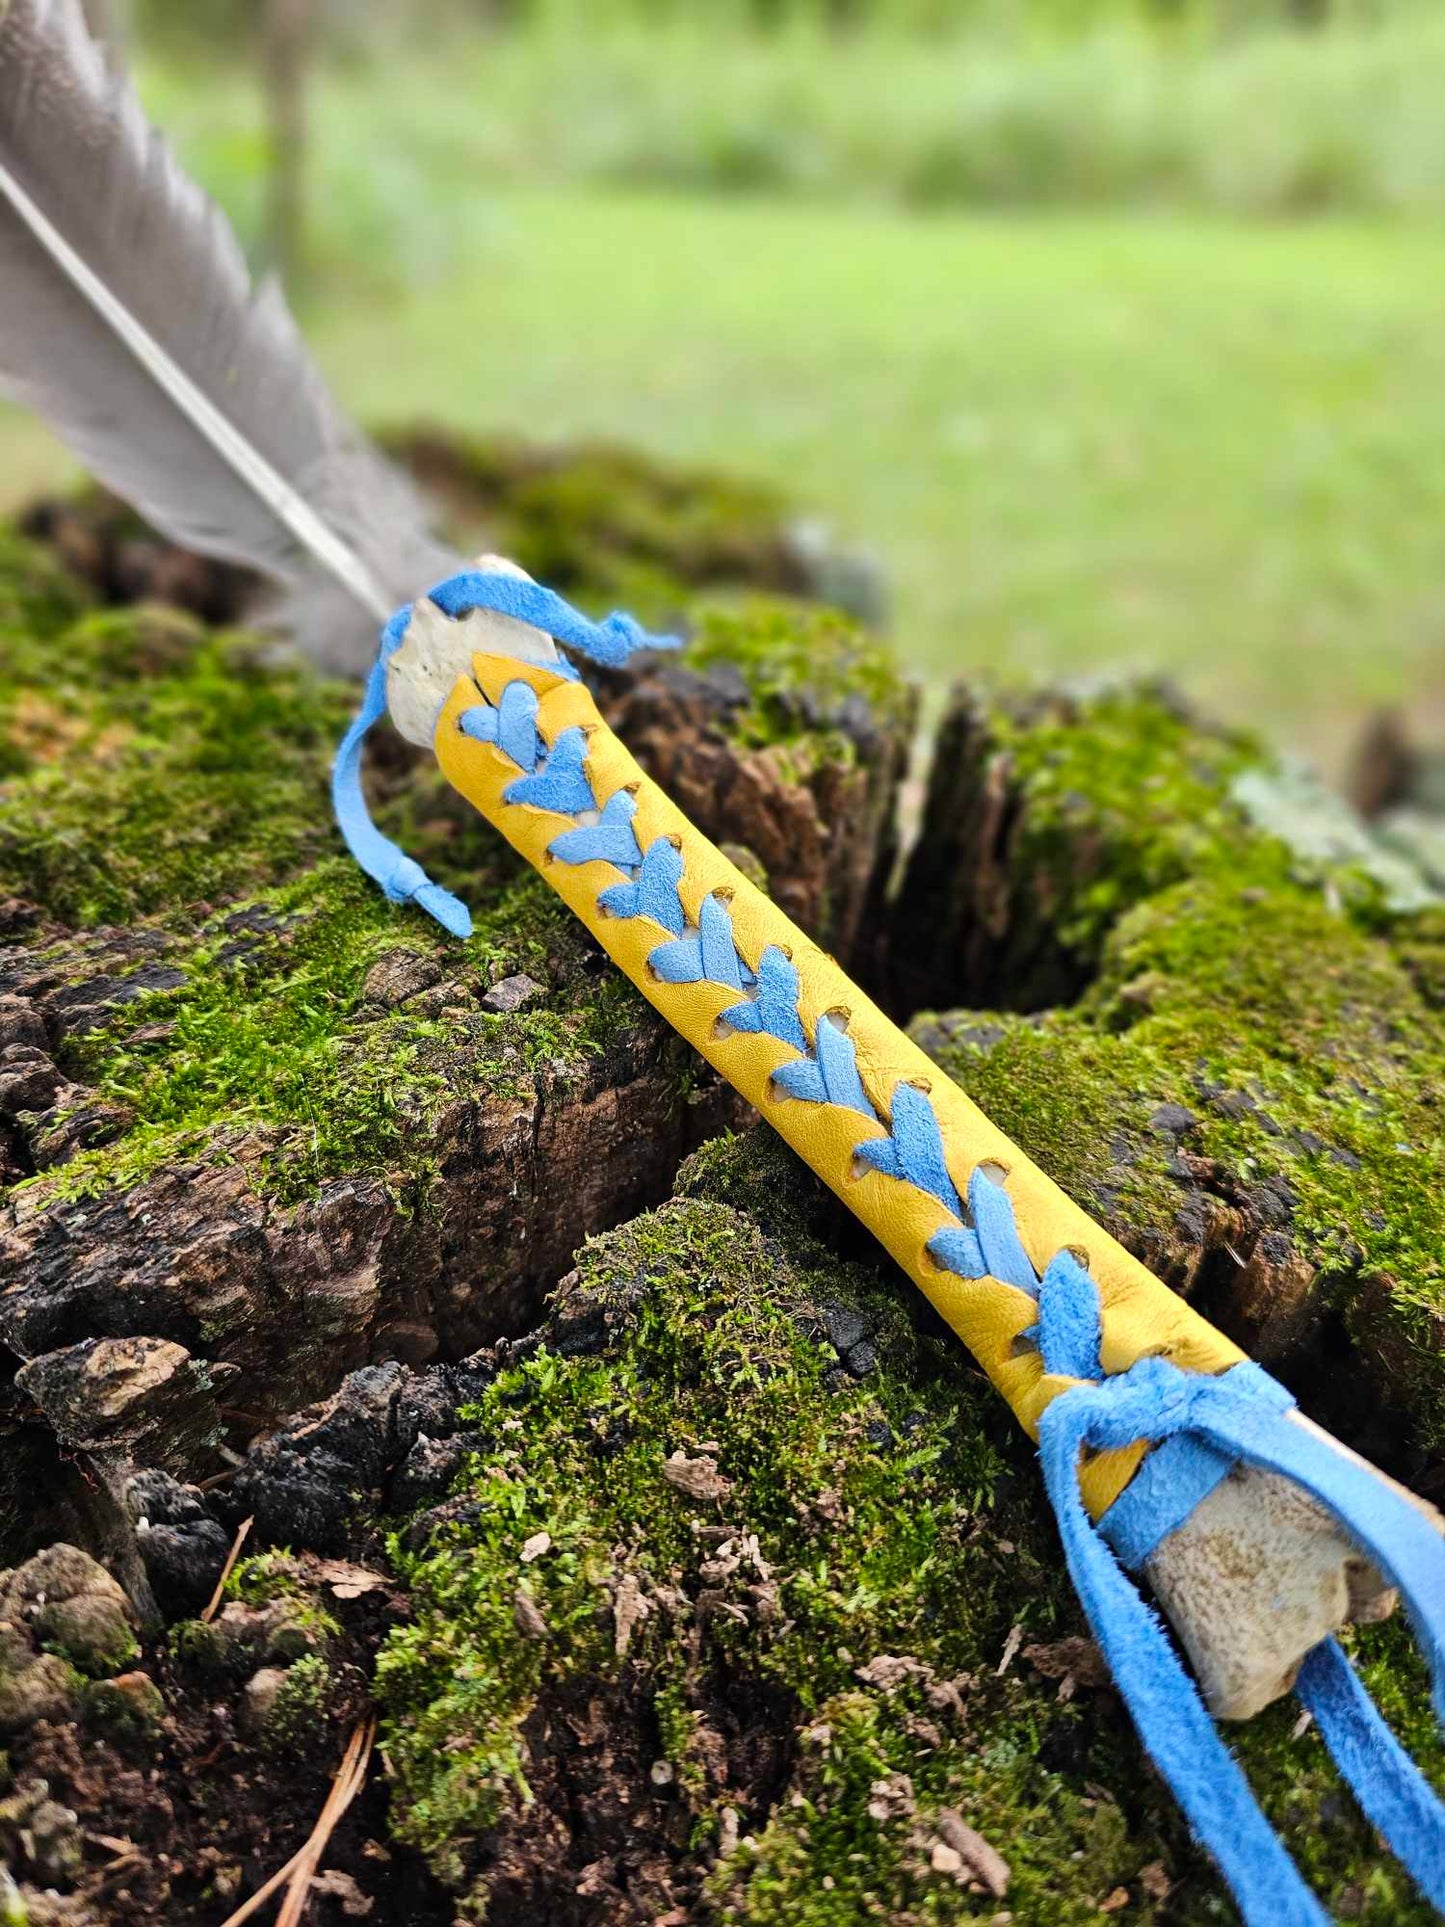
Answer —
1140 1315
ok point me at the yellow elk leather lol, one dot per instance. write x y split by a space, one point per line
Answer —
1140 1315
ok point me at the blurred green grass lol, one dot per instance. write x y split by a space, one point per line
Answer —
1079 440
1271 122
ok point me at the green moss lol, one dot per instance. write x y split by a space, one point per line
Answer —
132 794
894 1515
93 1634
265 1578
1122 794
809 673
199 1647
39 597
129 1709
269 1036
303 1626
300 1707
607 525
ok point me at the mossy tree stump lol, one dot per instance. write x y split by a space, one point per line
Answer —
717 1586
258 1125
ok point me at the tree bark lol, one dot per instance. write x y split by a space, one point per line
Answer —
286 43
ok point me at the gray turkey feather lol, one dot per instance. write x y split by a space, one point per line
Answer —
129 323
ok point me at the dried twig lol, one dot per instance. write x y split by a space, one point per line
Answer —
117 1848
231 1557
295 1876
344 1789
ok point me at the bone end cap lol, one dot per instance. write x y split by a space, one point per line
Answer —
436 650
1256 1576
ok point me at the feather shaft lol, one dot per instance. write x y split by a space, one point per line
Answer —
129 322
290 508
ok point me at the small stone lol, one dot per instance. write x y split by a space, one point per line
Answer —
398 976
534 1547
54 1847
46 1690
427 1472
20 1023
129 1705
629 1607
944 1859
336 1885
512 993
527 1616
699 1478
290 1631
258 1702
984 1862
889 1671
1073 1658
61 1571
1172 1120
91 1630
29 1081
1155 1882
182 1545
146 1395
662 1773
845 1326
892 1797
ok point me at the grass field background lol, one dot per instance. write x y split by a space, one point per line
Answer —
1080 441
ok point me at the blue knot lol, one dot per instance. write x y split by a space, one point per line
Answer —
610 643
655 892
1243 1417
773 1010
830 1076
560 784
611 839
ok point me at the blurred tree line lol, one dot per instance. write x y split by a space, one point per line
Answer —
354 21
281 42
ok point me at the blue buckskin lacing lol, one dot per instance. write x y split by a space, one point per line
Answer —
609 643
1199 1426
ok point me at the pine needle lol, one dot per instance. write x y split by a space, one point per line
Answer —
348 1783
297 1873
230 1566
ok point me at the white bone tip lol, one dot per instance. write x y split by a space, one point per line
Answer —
1257 1575
437 650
